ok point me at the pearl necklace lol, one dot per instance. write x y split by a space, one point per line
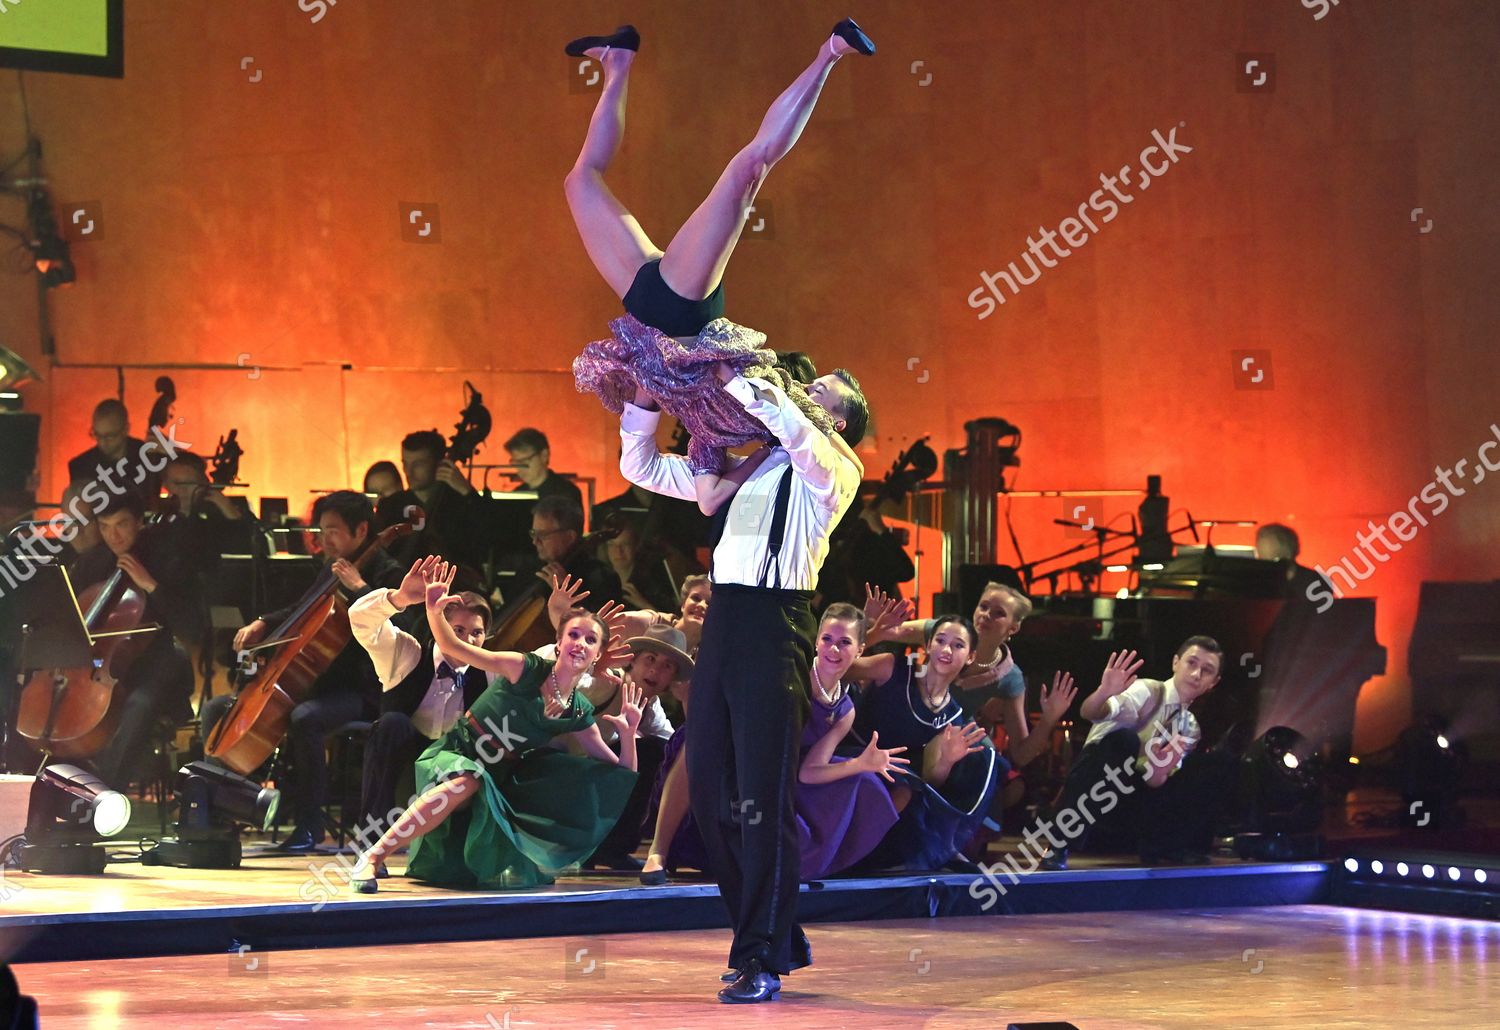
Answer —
938 722
829 700
563 706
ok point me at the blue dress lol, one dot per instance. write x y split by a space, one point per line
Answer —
938 821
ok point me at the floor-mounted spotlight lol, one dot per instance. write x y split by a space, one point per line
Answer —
1281 785
70 813
1429 768
213 803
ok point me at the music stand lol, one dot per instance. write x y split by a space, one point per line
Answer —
57 637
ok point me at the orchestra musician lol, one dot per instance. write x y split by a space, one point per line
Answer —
159 683
115 452
348 690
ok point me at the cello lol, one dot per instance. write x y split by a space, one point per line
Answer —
305 644
74 712
523 624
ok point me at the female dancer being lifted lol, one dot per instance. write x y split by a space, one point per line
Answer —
673 338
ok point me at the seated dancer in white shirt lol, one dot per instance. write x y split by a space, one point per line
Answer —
423 691
749 684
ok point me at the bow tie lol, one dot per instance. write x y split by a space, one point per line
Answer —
446 672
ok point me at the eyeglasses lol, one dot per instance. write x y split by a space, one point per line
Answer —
543 534
522 459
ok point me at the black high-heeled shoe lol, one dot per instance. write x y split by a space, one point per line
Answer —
851 33
655 878
623 38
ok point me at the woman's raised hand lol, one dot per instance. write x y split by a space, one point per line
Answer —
956 742
567 593
880 760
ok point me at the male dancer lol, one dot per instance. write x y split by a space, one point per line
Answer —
749 685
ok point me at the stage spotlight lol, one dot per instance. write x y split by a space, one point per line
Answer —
1429 767
213 803
1281 788
1402 868
1351 865
1453 873
1480 876
1428 871
70 812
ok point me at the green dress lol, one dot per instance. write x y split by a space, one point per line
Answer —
539 809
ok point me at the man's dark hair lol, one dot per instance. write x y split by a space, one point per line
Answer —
562 511
855 410
528 437
353 508
472 602
111 406
1208 644
128 501
192 461
429 440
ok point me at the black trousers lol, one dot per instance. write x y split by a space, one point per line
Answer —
312 722
626 836
158 687
744 736
393 749
1177 816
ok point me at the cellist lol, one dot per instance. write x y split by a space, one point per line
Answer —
348 689
159 683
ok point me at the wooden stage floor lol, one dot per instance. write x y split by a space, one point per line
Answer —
1261 968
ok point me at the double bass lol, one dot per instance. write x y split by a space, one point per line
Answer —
305 644
74 712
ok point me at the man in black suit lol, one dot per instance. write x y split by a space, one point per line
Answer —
424 692
453 512
348 689
116 455
159 683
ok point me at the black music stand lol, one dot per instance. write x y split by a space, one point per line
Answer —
56 636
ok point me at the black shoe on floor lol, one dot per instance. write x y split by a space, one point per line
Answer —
301 840
655 878
961 864
1055 860
851 33
623 38
754 984
729 976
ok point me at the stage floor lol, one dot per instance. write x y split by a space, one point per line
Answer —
1264 968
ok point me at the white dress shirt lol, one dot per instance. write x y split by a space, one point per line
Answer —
1154 711
396 653
824 482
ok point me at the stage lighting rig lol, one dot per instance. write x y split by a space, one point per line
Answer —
70 813
213 802
1281 786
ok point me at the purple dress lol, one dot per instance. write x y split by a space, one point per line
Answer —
840 822
686 846
683 379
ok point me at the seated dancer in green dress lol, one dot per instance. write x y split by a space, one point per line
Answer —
539 809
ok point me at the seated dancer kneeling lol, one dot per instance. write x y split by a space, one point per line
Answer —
908 704
540 809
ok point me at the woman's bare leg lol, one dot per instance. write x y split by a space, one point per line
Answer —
695 260
425 814
670 813
615 241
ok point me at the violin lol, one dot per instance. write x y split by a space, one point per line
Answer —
306 643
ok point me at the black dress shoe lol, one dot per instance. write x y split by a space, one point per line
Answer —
655 878
301 840
753 984
961 864
623 38
852 34
1055 860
